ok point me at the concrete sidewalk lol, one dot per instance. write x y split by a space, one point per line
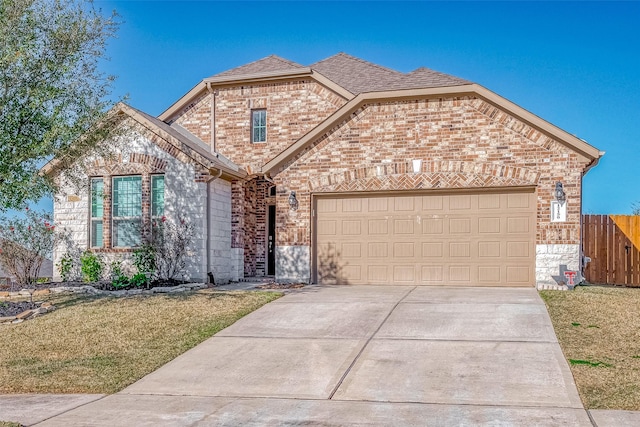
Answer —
365 355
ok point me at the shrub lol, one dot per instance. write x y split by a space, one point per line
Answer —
144 259
91 267
139 280
168 242
65 265
25 242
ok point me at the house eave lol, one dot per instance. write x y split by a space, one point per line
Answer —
226 81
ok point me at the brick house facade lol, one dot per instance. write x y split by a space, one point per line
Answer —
397 154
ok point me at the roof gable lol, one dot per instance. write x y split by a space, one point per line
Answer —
182 139
343 115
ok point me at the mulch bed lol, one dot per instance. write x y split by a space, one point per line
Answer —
10 308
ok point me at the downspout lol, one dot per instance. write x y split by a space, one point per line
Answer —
212 116
208 237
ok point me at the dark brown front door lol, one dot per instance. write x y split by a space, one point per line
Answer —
271 242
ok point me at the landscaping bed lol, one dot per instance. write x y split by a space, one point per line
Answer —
599 331
101 345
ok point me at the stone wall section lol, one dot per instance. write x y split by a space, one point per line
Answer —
185 197
293 109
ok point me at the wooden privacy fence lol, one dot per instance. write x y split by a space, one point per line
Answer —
613 244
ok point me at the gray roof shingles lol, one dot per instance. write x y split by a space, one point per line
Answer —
264 65
354 74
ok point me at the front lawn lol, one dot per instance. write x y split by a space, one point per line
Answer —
101 345
599 332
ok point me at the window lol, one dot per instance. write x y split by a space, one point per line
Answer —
127 211
258 125
97 212
157 196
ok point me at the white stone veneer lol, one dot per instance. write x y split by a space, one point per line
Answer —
548 261
293 264
184 198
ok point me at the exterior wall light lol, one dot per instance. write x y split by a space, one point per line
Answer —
561 197
293 201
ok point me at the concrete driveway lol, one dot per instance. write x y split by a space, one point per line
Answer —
363 355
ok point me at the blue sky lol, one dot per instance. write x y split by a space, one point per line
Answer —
575 64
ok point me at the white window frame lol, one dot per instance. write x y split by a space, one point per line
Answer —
255 112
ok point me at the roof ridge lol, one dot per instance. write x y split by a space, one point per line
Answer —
363 61
279 59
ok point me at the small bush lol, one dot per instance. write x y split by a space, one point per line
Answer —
91 267
139 280
65 266
144 259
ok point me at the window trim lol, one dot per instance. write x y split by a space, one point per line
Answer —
114 218
253 127
94 219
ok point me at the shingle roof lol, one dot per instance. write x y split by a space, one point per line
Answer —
355 74
425 77
267 64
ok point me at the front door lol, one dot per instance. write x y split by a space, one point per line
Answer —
271 241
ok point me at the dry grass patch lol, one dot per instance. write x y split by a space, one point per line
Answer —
101 345
599 332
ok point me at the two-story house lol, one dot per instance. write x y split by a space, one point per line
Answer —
345 172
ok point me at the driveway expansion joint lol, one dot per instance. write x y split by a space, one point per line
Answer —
333 392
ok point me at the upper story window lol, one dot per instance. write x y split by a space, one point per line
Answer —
97 212
126 211
259 125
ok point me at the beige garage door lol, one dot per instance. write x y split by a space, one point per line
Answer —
473 239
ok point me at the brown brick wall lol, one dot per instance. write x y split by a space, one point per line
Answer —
293 108
463 143
249 223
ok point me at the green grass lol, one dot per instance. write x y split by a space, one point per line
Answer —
599 332
101 345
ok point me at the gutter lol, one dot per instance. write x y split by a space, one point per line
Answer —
212 115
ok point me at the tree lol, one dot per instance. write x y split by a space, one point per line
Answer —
52 92
635 208
25 243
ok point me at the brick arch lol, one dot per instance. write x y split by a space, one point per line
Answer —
137 163
433 174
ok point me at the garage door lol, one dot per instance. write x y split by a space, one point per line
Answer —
462 239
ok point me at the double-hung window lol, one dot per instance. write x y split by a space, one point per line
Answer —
97 212
259 125
126 211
